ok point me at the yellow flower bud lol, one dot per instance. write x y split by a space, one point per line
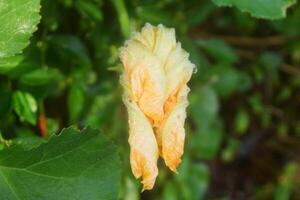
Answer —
155 74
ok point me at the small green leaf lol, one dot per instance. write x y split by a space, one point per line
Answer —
89 9
229 152
204 109
19 19
285 94
200 13
228 79
208 140
6 64
204 105
72 165
75 102
52 126
271 63
101 110
256 103
267 9
193 179
241 121
286 184
25 106
23 63
282 129
40 76
219 50
199 181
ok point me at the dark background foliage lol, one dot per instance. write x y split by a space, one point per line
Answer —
243 126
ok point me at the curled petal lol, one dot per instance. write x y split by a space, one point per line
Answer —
164 43
159 40
146 78
173 133
144 150
178 70
146 36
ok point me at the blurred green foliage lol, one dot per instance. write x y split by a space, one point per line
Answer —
243 126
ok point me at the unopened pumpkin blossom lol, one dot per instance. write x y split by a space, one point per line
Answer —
154 76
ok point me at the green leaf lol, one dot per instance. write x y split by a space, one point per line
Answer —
25 106
29 142
256 103
200 13
123 17
19 19
204 109
4 143
228 79
284 94
23 63
271 63
89 9
208 140
71 48
267 9
219 50
289 25
75 102
199 181
6 64
229 151
73 165
241 121
40 76
204 105
286 185
193 179
101 110
51 12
